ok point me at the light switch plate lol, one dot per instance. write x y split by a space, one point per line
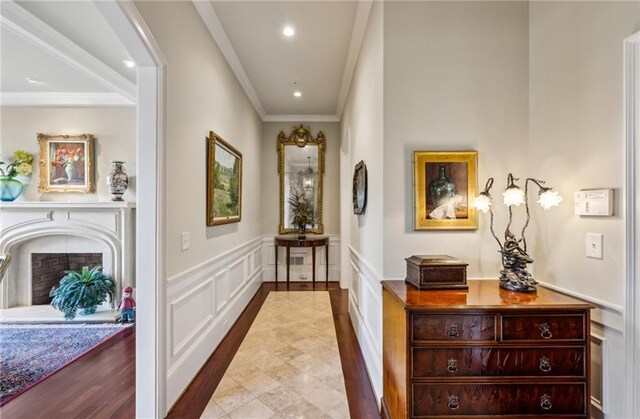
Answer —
185 241
594 246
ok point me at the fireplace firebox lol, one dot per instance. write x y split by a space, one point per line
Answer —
48 269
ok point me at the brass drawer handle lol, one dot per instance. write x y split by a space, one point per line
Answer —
452 365
453 402
545 331
453 331
545 402
545 364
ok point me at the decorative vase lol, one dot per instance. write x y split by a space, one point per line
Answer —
70 170
10 189
441 189
302 229
117 180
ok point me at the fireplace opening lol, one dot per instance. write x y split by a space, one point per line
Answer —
47 269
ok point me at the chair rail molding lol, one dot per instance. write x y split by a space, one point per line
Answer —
631 47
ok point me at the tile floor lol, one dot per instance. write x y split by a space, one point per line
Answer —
288 365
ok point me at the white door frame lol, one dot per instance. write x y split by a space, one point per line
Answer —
345 209
128 24
632 222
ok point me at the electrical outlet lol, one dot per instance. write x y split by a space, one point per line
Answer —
594 246
185 241
303 276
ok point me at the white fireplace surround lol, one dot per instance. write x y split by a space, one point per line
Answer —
65 227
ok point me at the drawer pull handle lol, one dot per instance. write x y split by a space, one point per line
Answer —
453 331
453 402
545 364
545 402
545 331
452 365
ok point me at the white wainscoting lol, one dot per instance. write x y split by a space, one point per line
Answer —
365 311
301 273
203 303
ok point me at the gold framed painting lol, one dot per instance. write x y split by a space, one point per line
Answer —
444 186
224 182
66 163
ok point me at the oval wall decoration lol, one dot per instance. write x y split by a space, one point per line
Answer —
360 188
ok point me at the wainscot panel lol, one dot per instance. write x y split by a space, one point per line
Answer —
204 302
365 311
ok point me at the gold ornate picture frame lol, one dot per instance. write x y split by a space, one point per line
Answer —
444 187
66 163
224 182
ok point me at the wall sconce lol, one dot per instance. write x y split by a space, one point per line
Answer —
514 276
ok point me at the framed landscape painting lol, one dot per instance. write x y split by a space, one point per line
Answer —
66 163
224 182
444 186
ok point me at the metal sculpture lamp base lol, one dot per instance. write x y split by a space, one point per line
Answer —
515 276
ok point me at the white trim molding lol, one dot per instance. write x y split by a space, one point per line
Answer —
203 304
301 118
632 224
64 99
365 311
19 21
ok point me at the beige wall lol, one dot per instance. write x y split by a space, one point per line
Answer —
270 180
455 78
203 94
576 136
363 120
114 130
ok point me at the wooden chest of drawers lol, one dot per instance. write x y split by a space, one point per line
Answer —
483 352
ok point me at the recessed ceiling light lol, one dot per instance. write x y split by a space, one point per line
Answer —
288 31
32 80
297 93
129 63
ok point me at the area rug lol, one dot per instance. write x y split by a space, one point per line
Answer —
31 353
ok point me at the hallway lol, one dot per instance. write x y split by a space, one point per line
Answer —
285 357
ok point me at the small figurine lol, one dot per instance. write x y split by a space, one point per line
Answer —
127 306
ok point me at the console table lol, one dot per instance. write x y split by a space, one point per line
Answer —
309 241
484 352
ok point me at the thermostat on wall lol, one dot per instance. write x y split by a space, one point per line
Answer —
598 202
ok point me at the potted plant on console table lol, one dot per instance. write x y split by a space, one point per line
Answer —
301 209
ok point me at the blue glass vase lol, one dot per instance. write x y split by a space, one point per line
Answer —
10 189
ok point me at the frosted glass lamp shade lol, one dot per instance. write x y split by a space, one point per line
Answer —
482 203
549 199
513 196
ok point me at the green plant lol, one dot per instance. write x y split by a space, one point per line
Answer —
85 290
301 208
20 166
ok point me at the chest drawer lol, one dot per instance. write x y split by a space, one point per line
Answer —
566 327
546 399
464 327
497 361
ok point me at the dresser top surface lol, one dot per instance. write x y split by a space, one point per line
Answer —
482 294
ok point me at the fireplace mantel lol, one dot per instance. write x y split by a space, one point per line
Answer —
26 225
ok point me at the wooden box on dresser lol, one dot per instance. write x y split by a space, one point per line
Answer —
484 352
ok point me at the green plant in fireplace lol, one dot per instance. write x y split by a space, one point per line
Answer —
83 290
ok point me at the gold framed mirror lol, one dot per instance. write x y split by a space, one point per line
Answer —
301 169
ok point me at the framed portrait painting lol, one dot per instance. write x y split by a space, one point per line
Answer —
66 163
224 182
444 186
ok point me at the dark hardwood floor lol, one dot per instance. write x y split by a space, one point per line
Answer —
101 384
362 401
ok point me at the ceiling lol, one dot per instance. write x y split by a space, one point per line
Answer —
318 60
69 49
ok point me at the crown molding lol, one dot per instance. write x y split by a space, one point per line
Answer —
301 118
357 37
212 22
64 99
37 32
